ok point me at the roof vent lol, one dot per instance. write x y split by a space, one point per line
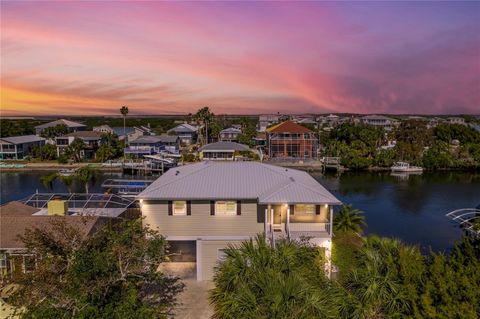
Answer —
292 179
177 172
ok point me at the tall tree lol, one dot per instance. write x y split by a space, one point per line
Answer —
111 274
124 112
86 175
204 116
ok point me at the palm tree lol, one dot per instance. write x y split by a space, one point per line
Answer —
85 174
47 180
68 181
258 281
204 116
348 219
124 112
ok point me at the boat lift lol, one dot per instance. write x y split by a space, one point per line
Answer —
126 187
467 218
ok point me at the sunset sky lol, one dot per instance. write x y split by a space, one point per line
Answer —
87 58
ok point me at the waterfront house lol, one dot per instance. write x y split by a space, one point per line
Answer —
92 141
17 147
132 133
209 205
456 120
380 121
289 140
230 134
153 144
186 132
222 150
266 120
70 125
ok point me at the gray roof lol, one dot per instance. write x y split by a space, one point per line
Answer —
184 128
67 123
231 130
238 180
224 146
153 139
22 139
119 130
86 135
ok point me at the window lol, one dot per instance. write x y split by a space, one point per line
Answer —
221 254
3 260
226 208
179 208
305 208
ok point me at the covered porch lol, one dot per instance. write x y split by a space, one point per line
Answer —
297 220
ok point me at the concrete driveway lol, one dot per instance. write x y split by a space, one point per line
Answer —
193 301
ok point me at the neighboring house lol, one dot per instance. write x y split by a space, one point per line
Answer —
230 134
17 217
70 125
211 205
380 121
91 139
456 120
187 133
289 140
131 132
17 147
154 144
221 151
266 120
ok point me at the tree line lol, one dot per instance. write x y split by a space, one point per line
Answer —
446 146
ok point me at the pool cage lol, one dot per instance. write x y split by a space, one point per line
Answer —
79 200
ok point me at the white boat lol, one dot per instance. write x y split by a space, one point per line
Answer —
405 167
66 172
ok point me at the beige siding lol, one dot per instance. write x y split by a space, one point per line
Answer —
209 255
324 216
200 222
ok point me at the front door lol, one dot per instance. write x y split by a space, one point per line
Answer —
277 215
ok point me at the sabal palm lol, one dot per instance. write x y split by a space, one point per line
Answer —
204 116
348 219
257 281
378 286
85 174
124 112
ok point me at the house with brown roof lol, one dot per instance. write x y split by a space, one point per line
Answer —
289 140
17 217
91 139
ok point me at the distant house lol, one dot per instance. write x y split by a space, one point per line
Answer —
131 132
187 133
91 139
387 123
154 144
210 205
17 147
230 134
456 120
266 120
289 140
223 150
70 125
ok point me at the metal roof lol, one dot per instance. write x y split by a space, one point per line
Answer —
22 139
224 146
185 127
153 139
231 130
288 127
238 180
67 123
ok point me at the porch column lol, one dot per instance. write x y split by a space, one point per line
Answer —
331 221
265 222
288 221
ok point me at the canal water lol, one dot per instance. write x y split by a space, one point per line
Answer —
411 208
